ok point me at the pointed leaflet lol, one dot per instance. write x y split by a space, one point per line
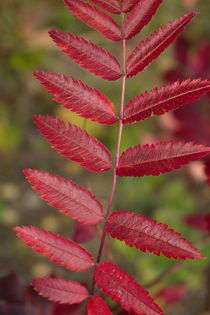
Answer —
148 235
65 195
121 287
149 49
60 290
97 306
140 16
169 97
158 158
100 21
88 55
74 143
59 250
128 5
112 6
78 97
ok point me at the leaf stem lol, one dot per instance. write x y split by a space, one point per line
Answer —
117 156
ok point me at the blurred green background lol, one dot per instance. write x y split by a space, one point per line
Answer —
26 47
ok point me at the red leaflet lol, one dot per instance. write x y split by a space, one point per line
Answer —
74 143
158 158
95 18
60 290
199 221
148 235
88 55
169 97
112 6
78 97
97 306
128 5
152 47
58 249
173 294
140 16
84 233
120 286
65 195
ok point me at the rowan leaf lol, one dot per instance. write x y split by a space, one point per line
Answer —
59 250
140 16
60 290
78 97
84 233
74 143
121 287
158 158
148 235
98 20
88 55
160 101
97 306
128 5
112 6
65 195
149 49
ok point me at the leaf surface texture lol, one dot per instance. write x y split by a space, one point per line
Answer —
121 287
79 98
128 5
74 143
97 306
60 290
112 6
158 158
88 55
160 101
98 20
148 235
65 195
149 49
58 249
140 16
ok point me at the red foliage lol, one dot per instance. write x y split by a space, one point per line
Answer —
84 233
95 18
69 198
148 50
158 158
173 294
117 284
74 143
97 306
58 249
79 98
88 55
112 6
148 235
140 16
60 290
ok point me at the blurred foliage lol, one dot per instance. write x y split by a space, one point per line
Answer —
26 47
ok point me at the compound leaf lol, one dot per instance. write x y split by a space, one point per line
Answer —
158 158
59 250
74 143
65 195
160 101
60 290
121 287
98 20
88 55
78 97
140 16
148 235
112 6
97 306
149 49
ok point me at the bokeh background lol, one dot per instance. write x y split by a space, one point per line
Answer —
26 47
